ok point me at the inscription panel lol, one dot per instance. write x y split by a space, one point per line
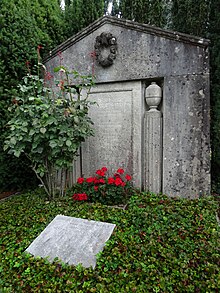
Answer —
113 115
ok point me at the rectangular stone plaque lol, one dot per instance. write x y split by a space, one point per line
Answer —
72 240
117 118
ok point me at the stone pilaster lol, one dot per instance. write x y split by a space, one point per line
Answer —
153 140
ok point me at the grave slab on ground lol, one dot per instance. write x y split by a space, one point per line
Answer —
72 240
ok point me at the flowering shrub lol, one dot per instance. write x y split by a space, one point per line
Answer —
104 189
48 123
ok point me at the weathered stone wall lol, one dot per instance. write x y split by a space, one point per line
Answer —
180 65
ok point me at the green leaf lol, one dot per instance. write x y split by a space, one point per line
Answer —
13 140
17 153
52 144
43 130
32 131
58 68
68 143
5 147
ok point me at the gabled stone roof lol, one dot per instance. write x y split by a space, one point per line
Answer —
131 25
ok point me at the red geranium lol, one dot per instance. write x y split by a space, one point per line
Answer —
96 181
80 196
128 177
118 181
104 169
100 173
120 171
90 179
80 180
111 180
113 189
117 175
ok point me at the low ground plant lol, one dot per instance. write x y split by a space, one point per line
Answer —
159 245
111 190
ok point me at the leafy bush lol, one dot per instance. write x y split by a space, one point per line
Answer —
159 245
47 125
23 26
104 189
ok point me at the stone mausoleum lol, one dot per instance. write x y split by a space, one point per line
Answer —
152 113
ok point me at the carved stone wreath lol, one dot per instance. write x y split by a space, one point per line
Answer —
105 40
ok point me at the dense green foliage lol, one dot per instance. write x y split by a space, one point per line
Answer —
214 35
24 24
80 13
158 245
144 11
191 16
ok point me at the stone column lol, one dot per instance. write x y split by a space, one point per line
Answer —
153 140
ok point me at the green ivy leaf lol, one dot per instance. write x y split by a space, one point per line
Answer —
13 140
17 153
32 131
53 144
43 130
68 143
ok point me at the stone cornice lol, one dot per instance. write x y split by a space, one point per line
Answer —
128 24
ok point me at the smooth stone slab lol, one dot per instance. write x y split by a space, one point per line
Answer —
72 240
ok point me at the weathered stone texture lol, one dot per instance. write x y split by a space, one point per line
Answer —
186 154
117 119
72 240
179 63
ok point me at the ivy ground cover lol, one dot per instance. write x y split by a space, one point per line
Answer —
159 245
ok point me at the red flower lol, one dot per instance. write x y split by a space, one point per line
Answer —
96 188
128 177
80 180
120 171
104 169
118 181
61 85
83 196
90 179
80 196
96 181
111 180
123 184
117 175
100 173
102 181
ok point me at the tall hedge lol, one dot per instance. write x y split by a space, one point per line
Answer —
80 13
24 24
214 35
144 11
191 16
